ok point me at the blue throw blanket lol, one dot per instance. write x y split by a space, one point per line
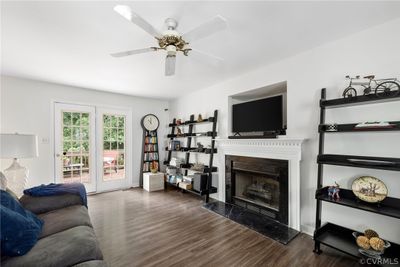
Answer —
58 189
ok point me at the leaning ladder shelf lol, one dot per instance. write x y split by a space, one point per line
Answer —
188 150
150 153
336 236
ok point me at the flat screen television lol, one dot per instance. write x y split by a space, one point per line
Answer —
264 115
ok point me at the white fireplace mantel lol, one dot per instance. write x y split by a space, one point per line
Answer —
284 148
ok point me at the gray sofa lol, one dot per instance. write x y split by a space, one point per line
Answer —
67 237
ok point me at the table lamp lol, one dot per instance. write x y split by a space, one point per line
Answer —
17 146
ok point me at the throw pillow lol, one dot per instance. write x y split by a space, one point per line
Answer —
20 228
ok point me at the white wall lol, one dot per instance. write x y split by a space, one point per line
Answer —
26 108
373 51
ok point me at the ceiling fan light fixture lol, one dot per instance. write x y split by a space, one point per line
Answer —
170 65
171 23
171 50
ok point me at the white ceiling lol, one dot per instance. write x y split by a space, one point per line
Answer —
70 42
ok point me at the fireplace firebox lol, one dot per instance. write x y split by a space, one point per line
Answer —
259 185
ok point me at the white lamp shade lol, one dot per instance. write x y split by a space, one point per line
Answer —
18 146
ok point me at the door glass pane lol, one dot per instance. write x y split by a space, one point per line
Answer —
76 118
76 133
67 117
67 133
85 133
85 119
76 147
85 147
113 147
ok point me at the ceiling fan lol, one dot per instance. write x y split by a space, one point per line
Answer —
170 40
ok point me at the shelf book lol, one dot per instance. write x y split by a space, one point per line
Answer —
150 155
337 236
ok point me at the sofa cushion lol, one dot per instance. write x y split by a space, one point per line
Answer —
62 219
65 248
20 228
45 204
96 263
57 190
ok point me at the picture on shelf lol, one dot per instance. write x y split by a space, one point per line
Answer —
174 145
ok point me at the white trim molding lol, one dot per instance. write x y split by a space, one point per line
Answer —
283 148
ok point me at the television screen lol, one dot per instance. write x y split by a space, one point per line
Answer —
262 115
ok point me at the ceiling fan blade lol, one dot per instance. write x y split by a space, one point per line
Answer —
170 65
205 57
127 13
133 52
210 27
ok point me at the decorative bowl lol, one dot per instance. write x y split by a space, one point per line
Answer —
369 189
370 252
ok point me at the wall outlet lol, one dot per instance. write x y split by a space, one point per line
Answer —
45 140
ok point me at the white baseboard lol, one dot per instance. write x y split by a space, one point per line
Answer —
309 230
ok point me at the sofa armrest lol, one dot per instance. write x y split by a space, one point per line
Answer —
45 204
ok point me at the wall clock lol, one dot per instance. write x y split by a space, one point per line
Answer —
150 122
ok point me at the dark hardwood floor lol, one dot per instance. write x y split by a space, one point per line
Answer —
137 228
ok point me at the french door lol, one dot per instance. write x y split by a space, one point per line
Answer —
75 145
92 146
113 143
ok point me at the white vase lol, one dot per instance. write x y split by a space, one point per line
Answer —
17 177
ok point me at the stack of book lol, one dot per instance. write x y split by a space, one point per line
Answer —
151 156
151 147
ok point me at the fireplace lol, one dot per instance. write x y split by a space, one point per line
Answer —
259 185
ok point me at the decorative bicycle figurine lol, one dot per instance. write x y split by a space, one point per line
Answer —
379 87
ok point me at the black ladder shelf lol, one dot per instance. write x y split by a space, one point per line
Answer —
188 150
336 236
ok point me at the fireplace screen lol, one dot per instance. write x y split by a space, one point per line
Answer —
258 189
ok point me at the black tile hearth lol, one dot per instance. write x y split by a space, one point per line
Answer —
256 222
